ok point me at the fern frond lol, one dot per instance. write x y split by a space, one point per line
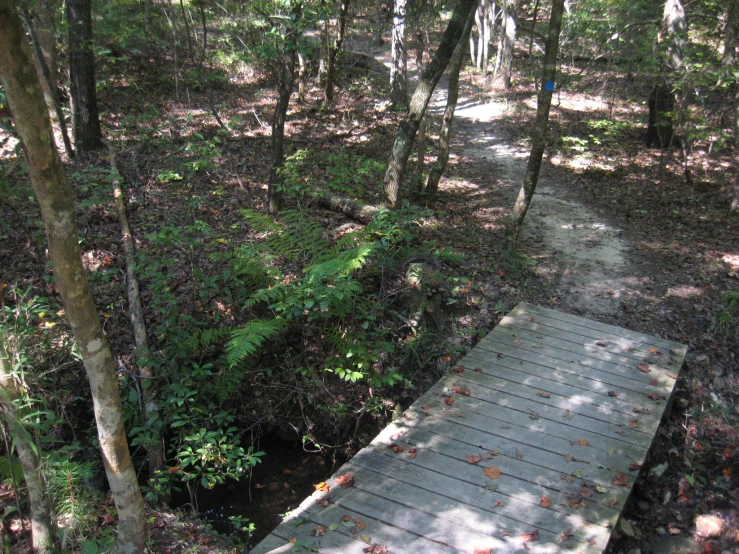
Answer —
270 295
341 266
245 341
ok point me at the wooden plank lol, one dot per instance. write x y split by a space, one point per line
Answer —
589 327
601 380
557 406
432 433
528 482
545 379
541 416
496 342
566 397
566 407
538 331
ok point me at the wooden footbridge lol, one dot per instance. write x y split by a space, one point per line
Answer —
530 445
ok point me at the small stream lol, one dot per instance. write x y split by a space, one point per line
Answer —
283 479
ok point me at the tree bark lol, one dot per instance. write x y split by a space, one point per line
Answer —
45 36
151 408
187 30
43 534
425 88
445 134
487 32
505 48
328 90
51 92
399 58
55 198
286 78
539 131
421 141
85 117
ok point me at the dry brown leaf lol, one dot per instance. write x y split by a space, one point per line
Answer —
449 401
459 369
398 448
634 423
565 536
601 343
493 472
481 550
498 504
478 370
472 458
412 453
323 501
612 394
319 531
655 396
612 502
582 442
644 368
345 481
566 477
530 537
620 480
376 549
545 501
460 390
570 458
655 351
345 518
519 455
654 382
574 502
585 491
425 407
672 376
543 394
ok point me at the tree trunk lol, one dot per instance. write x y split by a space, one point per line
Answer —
151 408
324 45
399 58
302 70
487 31
425 88
285 84
85 117
328 90
421 141
674 34
51 92
505 48
43 534
55 198
45 36
479 16
539 131
445 134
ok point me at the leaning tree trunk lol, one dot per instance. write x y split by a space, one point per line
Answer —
45 31
328 89
487 32
286 78
85 117
539 131
445 134
425 88
55 198
421 141
43 536
399 58
505 48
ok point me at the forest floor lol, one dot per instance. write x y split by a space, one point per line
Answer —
615 233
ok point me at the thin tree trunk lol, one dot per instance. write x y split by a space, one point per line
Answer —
421 141
328 90
43 536
302 70
445 134
203 22
539 131
51 92
486 34
286 79
55 198
85 117
399 58
45 36
151 408
187 30
324 46
425 88
479 16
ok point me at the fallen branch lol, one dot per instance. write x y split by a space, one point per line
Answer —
150 407
348 206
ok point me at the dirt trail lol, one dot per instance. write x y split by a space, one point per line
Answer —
584 254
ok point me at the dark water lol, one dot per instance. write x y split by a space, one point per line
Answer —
279 483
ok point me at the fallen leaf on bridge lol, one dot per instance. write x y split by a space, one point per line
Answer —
460 390
321 487
472 458
412 453
582 442
376 549
634 423
480 550
345 481
644 368
530 537
620 480
543 394
545 501
319 531
449 401
493 472
497 504
565 536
